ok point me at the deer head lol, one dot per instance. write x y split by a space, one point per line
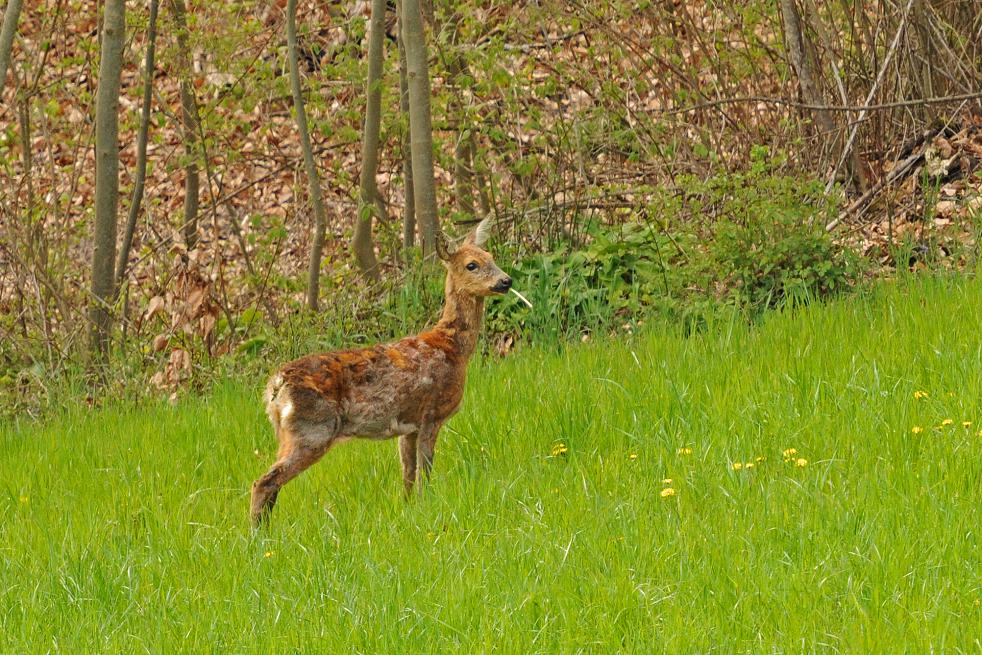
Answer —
470 268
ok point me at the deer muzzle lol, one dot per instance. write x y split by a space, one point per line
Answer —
502 285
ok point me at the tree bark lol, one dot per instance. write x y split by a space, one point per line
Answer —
189 128
805 66
420 123
362 242
107 173
887 58
456 67
479 179
313 179
11 14
141 150
855 171
409 216
924 76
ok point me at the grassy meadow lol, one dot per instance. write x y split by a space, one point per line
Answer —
811 483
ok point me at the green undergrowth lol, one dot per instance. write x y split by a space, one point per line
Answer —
749 241
825 468
764 248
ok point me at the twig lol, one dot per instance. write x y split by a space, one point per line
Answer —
896 173
547 43
141 151
869 97
918 102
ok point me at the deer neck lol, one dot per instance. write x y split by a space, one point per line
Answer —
462 315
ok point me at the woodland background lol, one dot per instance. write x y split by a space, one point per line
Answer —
642 160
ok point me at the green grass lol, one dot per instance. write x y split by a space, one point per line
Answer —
125 530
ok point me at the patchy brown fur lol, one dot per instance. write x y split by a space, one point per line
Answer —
407 388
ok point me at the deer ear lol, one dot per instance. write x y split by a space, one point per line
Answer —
444 249
480 235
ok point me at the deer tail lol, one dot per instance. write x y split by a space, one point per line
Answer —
270 398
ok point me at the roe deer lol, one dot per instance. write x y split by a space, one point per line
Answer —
407 388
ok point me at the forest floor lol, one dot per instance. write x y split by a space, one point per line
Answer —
808 483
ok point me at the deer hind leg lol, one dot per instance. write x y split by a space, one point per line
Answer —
295 456
407 453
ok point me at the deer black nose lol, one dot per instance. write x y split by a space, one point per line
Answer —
502 285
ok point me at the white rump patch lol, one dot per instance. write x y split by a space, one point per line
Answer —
286 410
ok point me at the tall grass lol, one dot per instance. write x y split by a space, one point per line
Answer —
546 527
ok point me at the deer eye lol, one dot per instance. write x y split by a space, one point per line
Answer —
472 266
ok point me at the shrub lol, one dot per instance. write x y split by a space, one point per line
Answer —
616 277
772 245
767 246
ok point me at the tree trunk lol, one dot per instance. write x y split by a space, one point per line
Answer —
313 180
107 173
409 217
479 179
804 65
10 15
420 123
189 128
804 60
456 67
362 242
924 77
141 150
856 171
463 187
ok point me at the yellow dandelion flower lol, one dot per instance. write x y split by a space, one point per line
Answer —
801 462
946 422
667 492
761 459
685 450
917 429
268 554
632 456
966 424
667 482
789 453
748 465
980 433
737 466
920 394
559 449
24 499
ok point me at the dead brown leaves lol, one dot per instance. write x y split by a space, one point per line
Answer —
186 314
934 204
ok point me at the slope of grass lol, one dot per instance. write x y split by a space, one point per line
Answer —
125 530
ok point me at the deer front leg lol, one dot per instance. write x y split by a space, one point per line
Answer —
427 444
407 453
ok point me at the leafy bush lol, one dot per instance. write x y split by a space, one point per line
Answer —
767 246
773 246
778 258
612 279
